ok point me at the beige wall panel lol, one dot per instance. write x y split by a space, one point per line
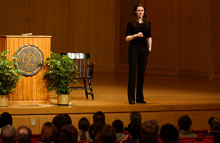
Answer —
12 17
195 36
49 17
19 120
216 37
164 29
199 118
93 31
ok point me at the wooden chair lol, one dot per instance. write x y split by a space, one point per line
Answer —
85 71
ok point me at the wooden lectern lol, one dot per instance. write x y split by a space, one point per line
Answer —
30 90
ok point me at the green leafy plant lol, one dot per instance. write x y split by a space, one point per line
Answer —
9 74
62 72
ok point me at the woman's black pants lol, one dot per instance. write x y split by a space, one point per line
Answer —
137 59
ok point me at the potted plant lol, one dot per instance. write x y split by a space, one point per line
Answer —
62 72
9 77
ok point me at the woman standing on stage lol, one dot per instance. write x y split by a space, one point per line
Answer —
139 35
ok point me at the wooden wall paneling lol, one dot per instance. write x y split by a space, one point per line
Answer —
19 120
12 17
199 118
49 17
125 14
215 37
195 38
94 31
164 29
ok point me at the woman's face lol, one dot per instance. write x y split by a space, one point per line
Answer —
140 12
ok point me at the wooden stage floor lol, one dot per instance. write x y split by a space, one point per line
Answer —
167 98
161 93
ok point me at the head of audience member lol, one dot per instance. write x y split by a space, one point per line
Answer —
135 116
48 132
9 134
61 120
150 127
184 123
107 134
214 124
83 125
134 129
6 119
169 133
119 126
96 130
72 130
98 117
24 134
63 136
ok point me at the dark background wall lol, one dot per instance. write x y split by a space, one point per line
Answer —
186 33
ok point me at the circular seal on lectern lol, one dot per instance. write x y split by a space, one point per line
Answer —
29 59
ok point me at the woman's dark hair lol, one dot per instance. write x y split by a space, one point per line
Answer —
107 134
135 18
48 132
184 122
119 126
169 133
83 125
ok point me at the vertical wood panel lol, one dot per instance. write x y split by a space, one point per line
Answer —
216 37
49 17
195 37
11 17
164 29
93 31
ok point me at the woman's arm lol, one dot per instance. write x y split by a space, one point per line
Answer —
131 37
149 43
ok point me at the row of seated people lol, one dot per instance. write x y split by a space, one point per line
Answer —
61 130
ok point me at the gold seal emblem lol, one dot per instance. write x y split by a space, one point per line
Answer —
29 59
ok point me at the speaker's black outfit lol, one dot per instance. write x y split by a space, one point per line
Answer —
137 58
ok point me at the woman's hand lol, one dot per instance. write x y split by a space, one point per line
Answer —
139 34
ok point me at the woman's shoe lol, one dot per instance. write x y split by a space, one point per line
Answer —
131 102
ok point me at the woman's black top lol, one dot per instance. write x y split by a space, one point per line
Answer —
141 27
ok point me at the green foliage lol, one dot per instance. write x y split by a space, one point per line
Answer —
9 74
62 72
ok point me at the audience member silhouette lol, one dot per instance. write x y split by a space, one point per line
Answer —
134 129
148 138
6 119
96 130
184 124
135 116
72 130
61 120
107 135
98 117
48 132
150 127
24 134
9 134
83 126
214 126
119 127
217 138
63 136
169 134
